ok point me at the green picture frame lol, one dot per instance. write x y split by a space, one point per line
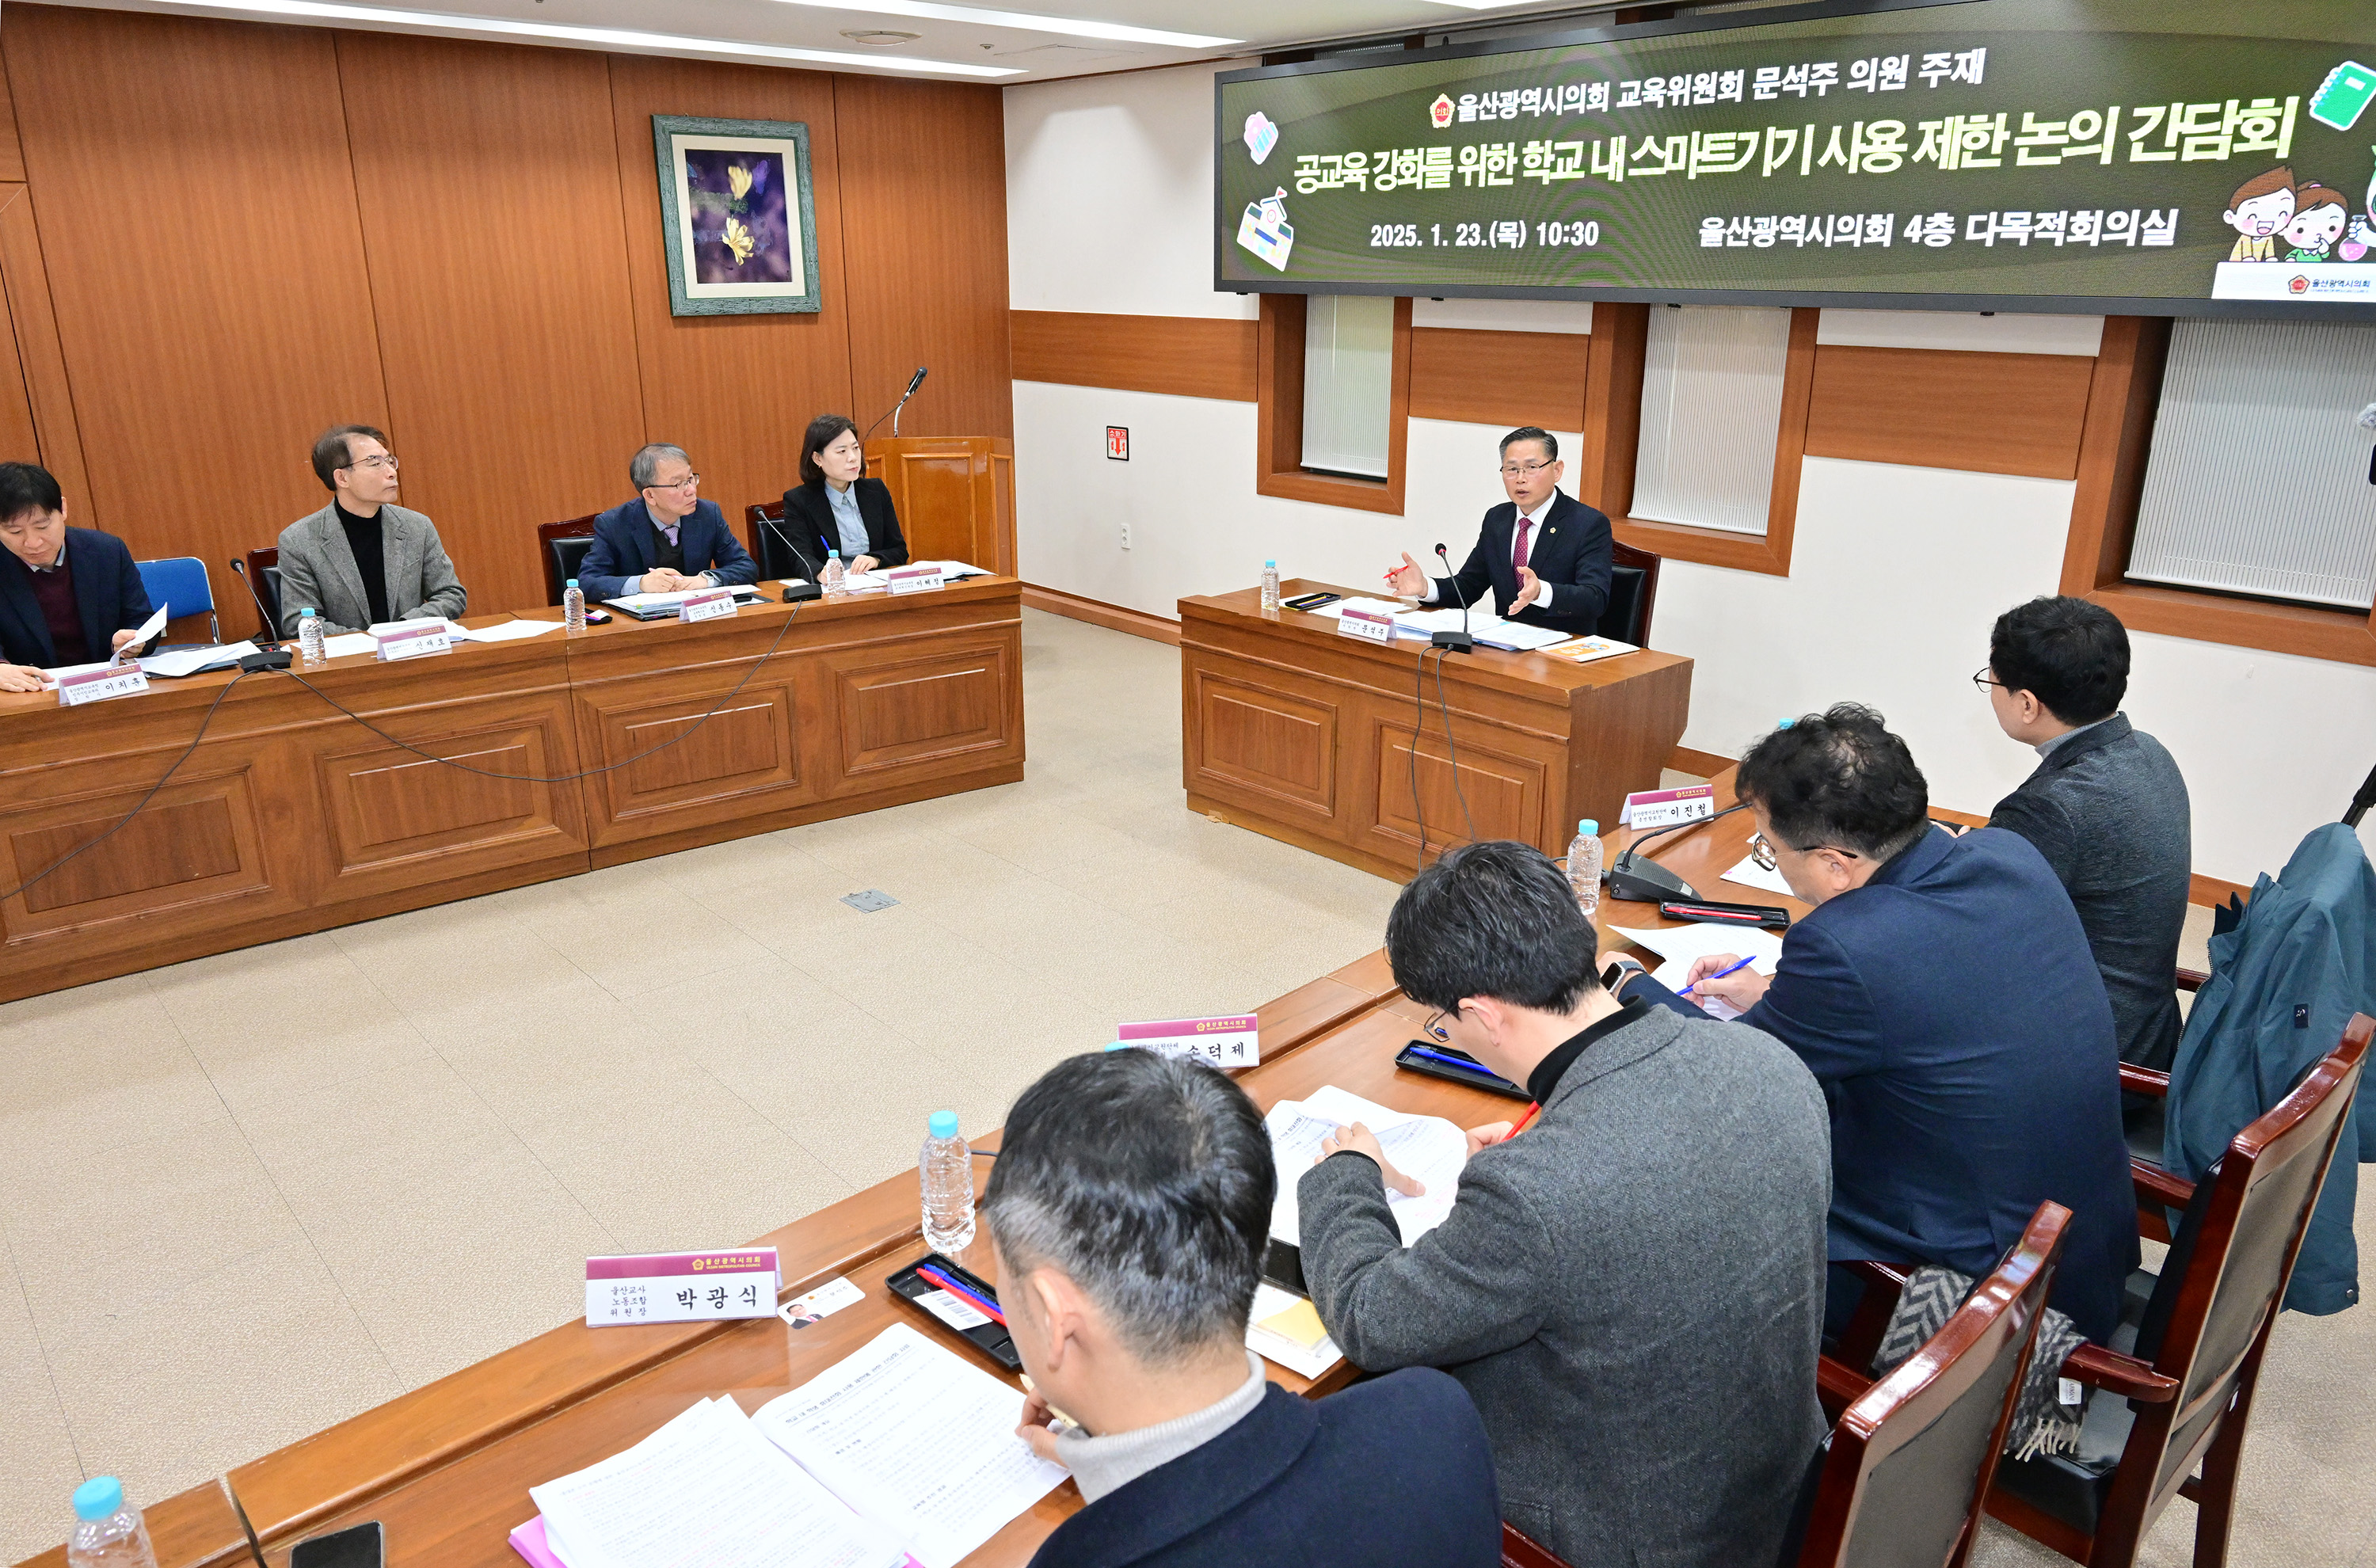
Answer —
738 217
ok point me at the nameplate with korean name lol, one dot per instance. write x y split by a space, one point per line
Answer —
100 684
706 605
914 579
1217 1042
680 1287
1664 808
411 641
1364 625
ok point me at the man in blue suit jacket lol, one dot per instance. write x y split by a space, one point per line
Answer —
666 539
1943 994
68 596
1546 556
1129 1210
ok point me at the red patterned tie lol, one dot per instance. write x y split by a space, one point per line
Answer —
1519 560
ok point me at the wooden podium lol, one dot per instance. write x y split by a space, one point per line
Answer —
956 496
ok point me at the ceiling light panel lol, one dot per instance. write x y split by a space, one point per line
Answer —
1113 32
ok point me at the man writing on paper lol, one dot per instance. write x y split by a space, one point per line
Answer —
1630 1288
362 559
1545 555
68 596
666 540
1943 992
1129 1207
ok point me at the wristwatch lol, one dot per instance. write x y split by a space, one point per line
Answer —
1620 974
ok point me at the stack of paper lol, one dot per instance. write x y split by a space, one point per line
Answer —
1679 945
1285 1328
1428 1147
1584 650
904 1456
184 662
649 602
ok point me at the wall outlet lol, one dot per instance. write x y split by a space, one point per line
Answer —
1125 536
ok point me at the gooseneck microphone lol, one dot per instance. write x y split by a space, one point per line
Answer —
269 654
1635 878
913 382
810 589
1459 641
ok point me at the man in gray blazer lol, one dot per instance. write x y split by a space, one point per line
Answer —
1629 1284
362 559
2106 807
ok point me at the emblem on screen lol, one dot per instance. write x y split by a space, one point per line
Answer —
1261 135
1438 113
1265 230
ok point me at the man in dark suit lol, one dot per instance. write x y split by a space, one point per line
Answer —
1129 1210
2106 807
666 540
1632 1287
1545 555
68 596
1943 992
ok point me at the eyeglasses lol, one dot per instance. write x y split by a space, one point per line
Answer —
1512 471
1983 681
1763 852
383 460
687 482
1433 1028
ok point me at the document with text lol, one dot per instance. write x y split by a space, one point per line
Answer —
1428 1147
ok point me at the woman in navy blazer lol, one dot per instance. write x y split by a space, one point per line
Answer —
108 599
818 514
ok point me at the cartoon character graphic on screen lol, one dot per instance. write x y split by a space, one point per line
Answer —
2320 217
2260 207
2361 237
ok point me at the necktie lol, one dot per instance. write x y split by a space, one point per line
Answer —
1518 559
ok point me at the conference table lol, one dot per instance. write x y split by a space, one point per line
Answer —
314 798
446 1468
1380 756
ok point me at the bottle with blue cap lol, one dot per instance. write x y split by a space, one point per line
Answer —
1270 586
108 1532
947 1175
1584 866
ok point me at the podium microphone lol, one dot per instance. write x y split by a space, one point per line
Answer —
268 655
913 382
1459 641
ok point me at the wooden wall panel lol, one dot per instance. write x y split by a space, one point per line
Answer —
19 441
1950 409
924 201
736 391
1500 379
12 152
1185 356
34 322
199 232
499 278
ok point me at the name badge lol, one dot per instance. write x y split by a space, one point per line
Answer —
413 642
706 605
1217 1042
1364 625
680 1287
97 685
1664 808
914 579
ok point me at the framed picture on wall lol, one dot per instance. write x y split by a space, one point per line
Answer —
739 226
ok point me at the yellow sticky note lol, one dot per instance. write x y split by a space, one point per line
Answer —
1299 1323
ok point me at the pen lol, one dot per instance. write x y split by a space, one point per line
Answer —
1453 1061
1718 975
954 1289
1523 1122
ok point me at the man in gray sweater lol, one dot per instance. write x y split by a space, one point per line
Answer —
2106 806
1631 1285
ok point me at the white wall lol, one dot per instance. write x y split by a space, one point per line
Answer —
1896 573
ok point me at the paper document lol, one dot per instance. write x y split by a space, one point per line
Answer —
1515 635
1426 1146
191 660
1679 945
649 601
150 627
917 1438
706 1491
347 643
1749 873
1393 609
953 570
1584 650
1285 1328
863 582
509 631
381 628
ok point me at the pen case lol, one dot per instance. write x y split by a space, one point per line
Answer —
1481 1078
1769 915
990 1339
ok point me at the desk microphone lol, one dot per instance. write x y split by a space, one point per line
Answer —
1635 878
268 655
913 382
810 589
1459 641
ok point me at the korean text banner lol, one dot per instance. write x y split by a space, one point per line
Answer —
2154 155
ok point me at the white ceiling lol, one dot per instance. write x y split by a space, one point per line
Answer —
975 37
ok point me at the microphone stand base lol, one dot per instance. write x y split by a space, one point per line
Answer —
1457 642
1636 879
265 658
798 592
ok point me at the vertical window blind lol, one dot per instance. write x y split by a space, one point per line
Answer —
1711 412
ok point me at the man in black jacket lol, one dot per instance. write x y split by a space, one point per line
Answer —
1130 1207
1546 556
2106 806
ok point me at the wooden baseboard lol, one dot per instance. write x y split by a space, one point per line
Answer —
1704 764
1113 617
2204 889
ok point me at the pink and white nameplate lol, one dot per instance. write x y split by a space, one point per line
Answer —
706 605
680 1287
100 683
1366 624
915 579
413 639
1664 808
1217 1042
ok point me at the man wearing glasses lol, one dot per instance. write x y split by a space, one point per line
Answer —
363 560
1545 555
666 540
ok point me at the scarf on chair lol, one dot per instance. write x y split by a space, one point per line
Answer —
2046 1414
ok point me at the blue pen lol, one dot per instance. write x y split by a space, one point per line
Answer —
1453 1061
1718 975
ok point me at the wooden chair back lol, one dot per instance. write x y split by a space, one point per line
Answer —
556 544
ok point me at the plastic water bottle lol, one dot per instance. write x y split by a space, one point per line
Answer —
946 1173
831 580
309 637
573 609
108 1532
1584 865
1270 585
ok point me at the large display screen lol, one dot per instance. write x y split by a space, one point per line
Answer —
2173 157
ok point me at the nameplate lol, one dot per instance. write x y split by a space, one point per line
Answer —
914 579
706 605
680 1287
97 685
1664 808
1217 1042
1362 624
413 642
